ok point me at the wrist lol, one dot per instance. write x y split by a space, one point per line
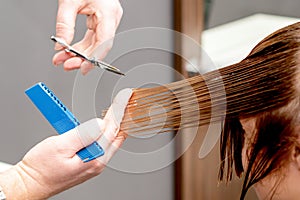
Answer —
33 189
13 185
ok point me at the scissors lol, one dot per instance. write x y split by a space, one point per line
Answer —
92 60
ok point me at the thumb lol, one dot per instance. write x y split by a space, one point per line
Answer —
65 21
83 135
113 118
116 111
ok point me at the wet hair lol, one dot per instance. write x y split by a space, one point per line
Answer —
263 86
274 136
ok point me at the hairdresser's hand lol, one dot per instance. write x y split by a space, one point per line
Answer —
53 166
103 18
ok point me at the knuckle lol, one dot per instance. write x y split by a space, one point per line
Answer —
62 27
116 10
52 140
96 168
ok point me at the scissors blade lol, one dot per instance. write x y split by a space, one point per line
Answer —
95 62
108 67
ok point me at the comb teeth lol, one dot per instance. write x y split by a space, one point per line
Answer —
59 116
61 105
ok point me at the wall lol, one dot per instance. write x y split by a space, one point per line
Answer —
226 11
25 58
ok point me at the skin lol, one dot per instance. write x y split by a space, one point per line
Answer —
52 166
288 189
103 18
35 176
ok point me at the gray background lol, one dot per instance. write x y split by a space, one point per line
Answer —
25 57
26 54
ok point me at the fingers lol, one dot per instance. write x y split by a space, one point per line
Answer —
60 58
73 62
85 67
104 27
65 21
81 136
105 131
96 43
104 36
110 141
93 20
103 18
116 111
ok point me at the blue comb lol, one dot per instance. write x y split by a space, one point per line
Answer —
60 117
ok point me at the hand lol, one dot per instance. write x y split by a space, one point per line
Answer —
103 18
52 165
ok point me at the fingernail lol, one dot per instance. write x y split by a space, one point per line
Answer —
119 104
83 71
85 67
58 62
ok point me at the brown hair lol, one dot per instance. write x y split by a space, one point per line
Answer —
263 86
274 136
